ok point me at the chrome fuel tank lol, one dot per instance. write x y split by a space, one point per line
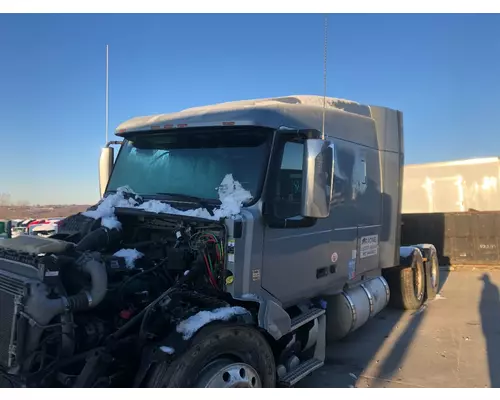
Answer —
351 309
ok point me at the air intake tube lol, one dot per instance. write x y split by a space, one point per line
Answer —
99 279
98 239
42 309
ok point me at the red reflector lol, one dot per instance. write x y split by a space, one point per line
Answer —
121 130
228 123
182 125
168 126
125 314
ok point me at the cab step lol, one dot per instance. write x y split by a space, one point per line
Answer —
302 370
306 317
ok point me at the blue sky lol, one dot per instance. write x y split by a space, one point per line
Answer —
442 71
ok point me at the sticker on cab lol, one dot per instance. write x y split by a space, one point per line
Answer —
368 246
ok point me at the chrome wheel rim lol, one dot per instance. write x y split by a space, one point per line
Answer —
419 281
228 374
434 273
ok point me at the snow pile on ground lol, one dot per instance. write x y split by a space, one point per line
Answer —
231 194
439 297
194 323
130 255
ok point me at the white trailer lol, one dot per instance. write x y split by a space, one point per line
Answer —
452 186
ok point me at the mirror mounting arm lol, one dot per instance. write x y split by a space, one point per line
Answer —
115 142
300 133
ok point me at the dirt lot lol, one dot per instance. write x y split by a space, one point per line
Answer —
453 341
25 212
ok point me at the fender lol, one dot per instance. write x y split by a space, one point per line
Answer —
406 255
173 345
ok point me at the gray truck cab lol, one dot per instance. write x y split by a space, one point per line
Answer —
324 218
325 208
266 229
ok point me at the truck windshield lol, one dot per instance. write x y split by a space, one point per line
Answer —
192 163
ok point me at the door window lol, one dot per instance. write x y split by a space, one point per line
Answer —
289 184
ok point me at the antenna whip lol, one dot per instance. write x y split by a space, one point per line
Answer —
106 93
324 74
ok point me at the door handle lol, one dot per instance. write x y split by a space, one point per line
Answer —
364 172
321 272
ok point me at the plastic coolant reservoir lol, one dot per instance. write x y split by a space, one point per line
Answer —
350 310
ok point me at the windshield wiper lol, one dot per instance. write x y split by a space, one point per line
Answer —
198 200
181 196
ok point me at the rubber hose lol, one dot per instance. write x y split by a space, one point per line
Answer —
99 284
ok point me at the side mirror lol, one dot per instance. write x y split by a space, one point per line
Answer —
105 167
317 178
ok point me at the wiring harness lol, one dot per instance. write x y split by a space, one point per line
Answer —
210 246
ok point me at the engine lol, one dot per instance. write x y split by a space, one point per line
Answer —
90 287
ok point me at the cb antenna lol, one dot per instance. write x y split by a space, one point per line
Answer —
324 75
107 93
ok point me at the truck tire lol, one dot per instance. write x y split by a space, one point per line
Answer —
407 284
220 356
432 273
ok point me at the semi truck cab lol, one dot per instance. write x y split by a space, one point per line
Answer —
274 224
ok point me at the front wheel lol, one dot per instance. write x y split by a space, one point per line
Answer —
220 356
227 374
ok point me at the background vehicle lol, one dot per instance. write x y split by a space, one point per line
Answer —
32 224
232 243
46 227
17 231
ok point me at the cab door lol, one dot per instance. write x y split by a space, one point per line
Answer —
301 255
368 200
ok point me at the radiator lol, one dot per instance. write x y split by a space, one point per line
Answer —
12 289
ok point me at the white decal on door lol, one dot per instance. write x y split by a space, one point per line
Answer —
368 246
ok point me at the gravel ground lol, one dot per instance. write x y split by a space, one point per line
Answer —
452 341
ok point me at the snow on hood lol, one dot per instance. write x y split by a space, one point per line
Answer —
130 255
231 195
167 349
251 296
106 209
